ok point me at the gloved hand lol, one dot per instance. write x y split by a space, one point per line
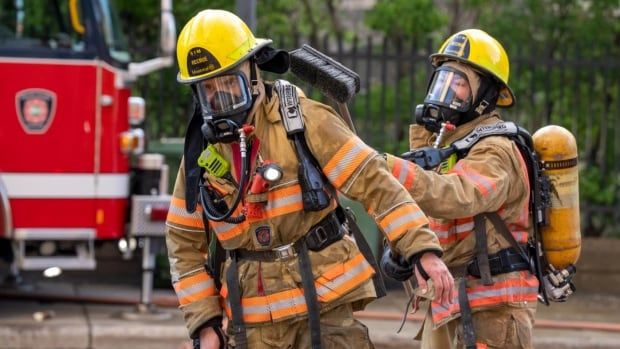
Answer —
396 267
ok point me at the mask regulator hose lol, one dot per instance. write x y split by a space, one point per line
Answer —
210 209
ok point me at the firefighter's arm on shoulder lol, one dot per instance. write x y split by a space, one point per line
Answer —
187 251
360 173
480 182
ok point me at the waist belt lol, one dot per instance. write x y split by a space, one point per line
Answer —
504 261
321 235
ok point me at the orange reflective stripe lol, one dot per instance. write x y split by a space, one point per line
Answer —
194 288
480 345
226 231
283 201
404 217
484 184
346 160
453 230
459 229
280 202
341 279
404 171
334 283
522 289
287 303
271 307
177 213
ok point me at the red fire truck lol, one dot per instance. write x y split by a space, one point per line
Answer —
70 132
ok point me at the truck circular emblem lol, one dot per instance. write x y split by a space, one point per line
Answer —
35 109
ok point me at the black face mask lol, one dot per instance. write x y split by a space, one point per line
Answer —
431 116
224 130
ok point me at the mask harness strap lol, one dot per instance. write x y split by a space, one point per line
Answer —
487 100
253 80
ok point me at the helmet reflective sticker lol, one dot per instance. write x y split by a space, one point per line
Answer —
450 88
458 46
201 61
224 95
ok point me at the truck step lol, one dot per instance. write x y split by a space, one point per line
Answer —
67 248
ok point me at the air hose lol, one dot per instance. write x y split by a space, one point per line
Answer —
211 211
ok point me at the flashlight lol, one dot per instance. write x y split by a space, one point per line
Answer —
268 174
271 172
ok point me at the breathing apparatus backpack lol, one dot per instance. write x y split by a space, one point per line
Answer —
551 159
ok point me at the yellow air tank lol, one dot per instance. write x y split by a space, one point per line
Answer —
561 238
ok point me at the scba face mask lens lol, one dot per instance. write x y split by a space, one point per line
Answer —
450 88
224 95
449 97
224 102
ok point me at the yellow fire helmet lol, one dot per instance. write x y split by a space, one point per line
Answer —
213 42
481 51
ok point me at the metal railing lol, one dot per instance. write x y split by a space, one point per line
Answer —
576 87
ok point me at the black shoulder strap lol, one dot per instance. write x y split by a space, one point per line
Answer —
191 152
480 249
507 128
290 111
291 114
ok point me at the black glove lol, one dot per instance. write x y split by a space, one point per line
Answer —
396 267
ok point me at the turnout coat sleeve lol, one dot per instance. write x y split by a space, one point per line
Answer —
490 176
360 173
187 252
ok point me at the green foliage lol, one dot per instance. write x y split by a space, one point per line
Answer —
382 114
593 190
405 18
562 68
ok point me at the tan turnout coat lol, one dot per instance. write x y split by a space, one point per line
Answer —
271 291
492 177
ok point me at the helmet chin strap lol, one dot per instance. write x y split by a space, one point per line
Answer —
486 101
253 80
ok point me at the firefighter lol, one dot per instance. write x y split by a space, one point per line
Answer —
478 201
282 265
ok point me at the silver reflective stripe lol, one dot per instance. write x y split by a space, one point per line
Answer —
223 227
404 171
343 165
201 286
480 179
183 212
256 309
514 290
465 227
269 307
283 201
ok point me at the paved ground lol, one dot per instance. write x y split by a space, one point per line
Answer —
587 320
86 325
